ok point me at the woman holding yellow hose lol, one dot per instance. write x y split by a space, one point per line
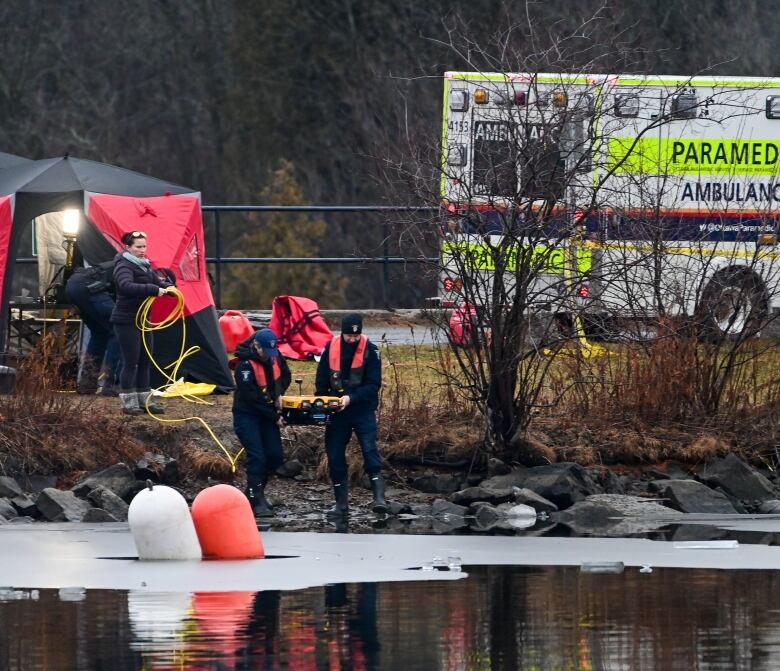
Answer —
135 281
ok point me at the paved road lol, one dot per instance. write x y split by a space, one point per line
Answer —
400 335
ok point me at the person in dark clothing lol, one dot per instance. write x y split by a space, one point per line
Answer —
262 376
135 281
91 291
350 367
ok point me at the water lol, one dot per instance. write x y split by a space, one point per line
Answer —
510 618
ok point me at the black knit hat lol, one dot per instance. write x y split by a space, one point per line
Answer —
352 324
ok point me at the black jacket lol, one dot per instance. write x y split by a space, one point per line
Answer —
248 396
366 394
133 286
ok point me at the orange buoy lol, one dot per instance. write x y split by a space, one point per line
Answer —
225 524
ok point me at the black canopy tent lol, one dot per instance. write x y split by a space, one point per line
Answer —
38 187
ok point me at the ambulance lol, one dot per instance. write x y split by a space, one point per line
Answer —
660 193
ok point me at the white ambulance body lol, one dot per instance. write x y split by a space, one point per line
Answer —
688 166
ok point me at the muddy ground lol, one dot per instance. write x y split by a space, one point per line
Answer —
300 499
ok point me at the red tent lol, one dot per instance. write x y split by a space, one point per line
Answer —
116 201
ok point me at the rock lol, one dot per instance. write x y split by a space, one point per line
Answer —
58 506
697 532
442 509
564 484
117 478
397 508
486 516
738 480
689 496
290 469
98 515
771 507
7 509
26 519
9 488
615 515
420 509
437 484
448 524
136 487
105 499
518 510
530 498
470 495
37 483
157 468
497 467
25 505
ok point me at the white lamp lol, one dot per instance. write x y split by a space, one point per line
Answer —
70 223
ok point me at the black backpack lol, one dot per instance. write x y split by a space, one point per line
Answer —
100 277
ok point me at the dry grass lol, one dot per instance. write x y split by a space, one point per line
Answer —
47 431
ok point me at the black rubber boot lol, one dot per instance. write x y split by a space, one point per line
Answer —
262 508
379 505
341 492
255 492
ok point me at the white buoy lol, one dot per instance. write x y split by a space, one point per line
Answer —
161 525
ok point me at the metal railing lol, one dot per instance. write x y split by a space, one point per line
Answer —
385 259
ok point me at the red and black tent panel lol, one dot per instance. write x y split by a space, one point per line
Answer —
115 201
174 234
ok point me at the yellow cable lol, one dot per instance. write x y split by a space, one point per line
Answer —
145 325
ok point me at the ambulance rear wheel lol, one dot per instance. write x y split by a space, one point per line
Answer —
733 306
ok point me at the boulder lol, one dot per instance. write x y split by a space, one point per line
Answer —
564 484
117 478
25 505
689 496
497 467
157 468
771 507
738 480
105 499
420 509
443 509
466 497
98 515
485 517
9 487
531 498
7 509
37 483
396 508
615 515
448 524
290 469
58 506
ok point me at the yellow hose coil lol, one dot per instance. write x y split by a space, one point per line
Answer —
145 325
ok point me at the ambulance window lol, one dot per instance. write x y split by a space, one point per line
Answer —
683 106
189 266
627 105
773 107
495 159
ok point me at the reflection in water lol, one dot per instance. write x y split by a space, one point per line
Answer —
498 618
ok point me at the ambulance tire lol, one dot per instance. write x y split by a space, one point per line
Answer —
733 306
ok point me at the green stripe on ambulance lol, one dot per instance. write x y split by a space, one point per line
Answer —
482 256
680 156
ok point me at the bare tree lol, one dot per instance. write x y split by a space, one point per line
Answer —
542 161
